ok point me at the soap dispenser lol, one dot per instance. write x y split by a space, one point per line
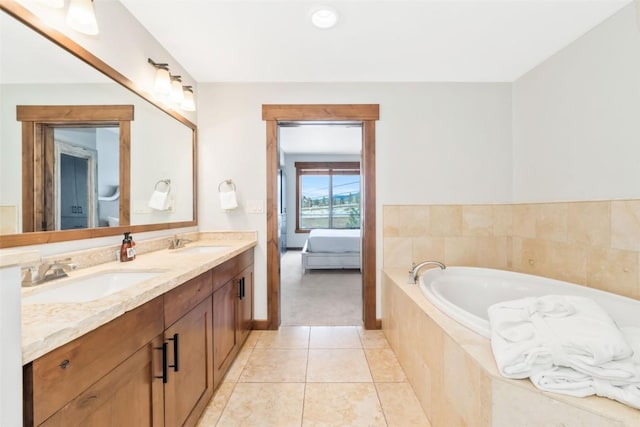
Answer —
126 253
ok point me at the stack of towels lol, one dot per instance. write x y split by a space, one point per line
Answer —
566 344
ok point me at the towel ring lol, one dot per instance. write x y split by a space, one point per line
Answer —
166 182
229 183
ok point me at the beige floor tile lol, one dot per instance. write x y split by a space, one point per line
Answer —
373 339
400 405
236 368
214 409
338 365
275 365
267 404
384 365
334 337
342 405
253 337
285 337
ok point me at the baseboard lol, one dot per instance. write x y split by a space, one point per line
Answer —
260 325
378 323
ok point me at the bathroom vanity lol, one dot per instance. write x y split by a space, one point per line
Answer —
156 363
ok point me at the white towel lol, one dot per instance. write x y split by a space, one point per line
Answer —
228 200
567 345
532 335
159 201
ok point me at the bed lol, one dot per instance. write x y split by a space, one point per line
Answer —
332 249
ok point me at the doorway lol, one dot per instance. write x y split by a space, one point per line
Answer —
366 114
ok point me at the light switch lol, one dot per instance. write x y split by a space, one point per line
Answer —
254 206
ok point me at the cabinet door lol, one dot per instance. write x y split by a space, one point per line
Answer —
190 366
129 395
245 304
224 327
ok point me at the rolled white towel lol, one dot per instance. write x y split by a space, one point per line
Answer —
228 200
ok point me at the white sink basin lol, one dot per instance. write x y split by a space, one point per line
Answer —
91 287
202 249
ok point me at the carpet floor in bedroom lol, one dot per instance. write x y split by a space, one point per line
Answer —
319 297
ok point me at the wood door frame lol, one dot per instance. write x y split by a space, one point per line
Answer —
367 114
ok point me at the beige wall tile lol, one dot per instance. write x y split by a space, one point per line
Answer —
492 252
524 220
590 223
477 220
517 406
466 389
430 351
551 221
430 248
396 252
400 406
625 224
553 259
502 220
614 271
406 221
446 220
460 251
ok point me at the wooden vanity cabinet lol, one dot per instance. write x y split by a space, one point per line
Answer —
107 374
232 311
189 337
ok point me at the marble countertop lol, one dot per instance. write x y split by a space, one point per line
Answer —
48 326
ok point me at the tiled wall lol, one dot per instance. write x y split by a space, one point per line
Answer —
591 243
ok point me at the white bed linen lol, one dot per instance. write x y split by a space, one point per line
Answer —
333 241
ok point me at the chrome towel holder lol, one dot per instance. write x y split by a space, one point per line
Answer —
229 184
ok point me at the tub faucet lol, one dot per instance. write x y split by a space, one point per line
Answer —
415 269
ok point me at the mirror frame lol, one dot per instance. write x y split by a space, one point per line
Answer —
41 237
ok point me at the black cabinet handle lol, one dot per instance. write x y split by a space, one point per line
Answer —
239 288
164 361
175 353
243 287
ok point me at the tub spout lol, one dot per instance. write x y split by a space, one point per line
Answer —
415 269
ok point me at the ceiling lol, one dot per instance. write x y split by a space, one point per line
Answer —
374 41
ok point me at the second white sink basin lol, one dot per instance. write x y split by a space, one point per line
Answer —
90 287
202 249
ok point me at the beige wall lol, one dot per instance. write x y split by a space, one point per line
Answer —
596 244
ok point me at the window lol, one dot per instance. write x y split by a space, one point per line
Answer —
328 195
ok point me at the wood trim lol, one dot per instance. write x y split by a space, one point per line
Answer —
74 113
125 173
350 112
48 198
260 325
28 185
273 249
367 113
368 195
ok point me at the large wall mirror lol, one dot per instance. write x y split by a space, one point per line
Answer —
81 153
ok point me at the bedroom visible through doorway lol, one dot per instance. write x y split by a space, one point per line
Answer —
319 219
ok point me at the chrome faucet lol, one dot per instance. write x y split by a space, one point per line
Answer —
415 269
47 271
177 242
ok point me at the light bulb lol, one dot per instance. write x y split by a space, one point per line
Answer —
81 17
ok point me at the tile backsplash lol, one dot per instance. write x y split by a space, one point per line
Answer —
596 244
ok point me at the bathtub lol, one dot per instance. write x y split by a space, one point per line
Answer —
465 294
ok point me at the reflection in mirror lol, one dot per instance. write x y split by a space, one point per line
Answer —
120 178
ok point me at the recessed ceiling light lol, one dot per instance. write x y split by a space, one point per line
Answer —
324 17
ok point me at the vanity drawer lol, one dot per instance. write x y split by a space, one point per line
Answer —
60 375
180 300
227 270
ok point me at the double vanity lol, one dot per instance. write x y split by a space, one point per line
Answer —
139 343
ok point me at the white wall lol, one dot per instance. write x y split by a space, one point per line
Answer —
296 240
576 119
435 143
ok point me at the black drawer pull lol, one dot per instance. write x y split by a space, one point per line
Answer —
243 287
64 364
175 353
239 288
164 361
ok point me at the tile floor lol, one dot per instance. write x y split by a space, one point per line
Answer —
315 376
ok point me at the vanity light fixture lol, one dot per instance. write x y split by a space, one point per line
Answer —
177 93
81 17
324 17
162 85
188 104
